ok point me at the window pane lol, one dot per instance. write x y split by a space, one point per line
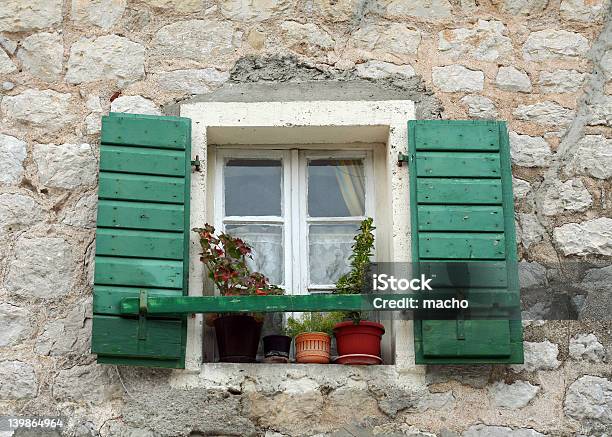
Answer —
267 244
329 247
253 187
336 188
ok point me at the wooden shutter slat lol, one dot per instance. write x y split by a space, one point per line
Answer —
456 135
486 273
442 342
440 245
448 164
145 131
459 191
137 243
121 186
139 272
140 215
142 160
119 336
460 218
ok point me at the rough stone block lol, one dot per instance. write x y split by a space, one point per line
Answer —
135 105
512 79
6 65
554 44
46 109
68 335
431 9
586 11
548 113
485 41
12 154
18 380
14 324
457 78
480 107
199 40
539 356
42 267
18 212
65 165
570 195
528 151
593 156
524 7
101 13
591 237
589 400
253 10
380 69
109 57
512 396
42 55
561 81
587 347
196 81
20 15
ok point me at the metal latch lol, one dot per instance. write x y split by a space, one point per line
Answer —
196 163
401 158
143 309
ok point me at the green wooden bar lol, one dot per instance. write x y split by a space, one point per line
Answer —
483 299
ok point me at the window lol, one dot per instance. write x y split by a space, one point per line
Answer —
299 209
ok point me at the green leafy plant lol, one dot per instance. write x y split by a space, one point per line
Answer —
225 258
312 322
354 282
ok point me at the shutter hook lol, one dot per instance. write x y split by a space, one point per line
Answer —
196 163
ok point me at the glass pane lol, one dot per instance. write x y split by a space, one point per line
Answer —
253 187
329 247
267 244
336 188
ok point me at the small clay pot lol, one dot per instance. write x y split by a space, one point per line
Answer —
312 347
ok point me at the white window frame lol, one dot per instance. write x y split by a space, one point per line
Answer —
247 123
304 220
223 154
294 200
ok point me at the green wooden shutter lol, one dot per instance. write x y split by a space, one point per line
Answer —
142 237
462 211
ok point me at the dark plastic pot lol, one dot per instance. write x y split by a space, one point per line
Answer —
277 346
237 338
356 341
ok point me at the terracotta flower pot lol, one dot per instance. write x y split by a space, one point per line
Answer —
312 347
359 343
237 338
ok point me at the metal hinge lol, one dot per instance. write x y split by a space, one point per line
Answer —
401 158
196 163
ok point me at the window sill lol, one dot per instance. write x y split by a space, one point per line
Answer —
292 377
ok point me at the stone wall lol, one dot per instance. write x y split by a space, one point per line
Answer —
545 66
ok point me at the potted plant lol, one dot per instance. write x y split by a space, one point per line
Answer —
225 258
358 340
312 336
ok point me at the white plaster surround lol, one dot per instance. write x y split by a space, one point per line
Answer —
301 122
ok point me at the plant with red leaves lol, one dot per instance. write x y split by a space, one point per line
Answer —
225 258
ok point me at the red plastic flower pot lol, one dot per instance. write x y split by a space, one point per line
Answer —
358 340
